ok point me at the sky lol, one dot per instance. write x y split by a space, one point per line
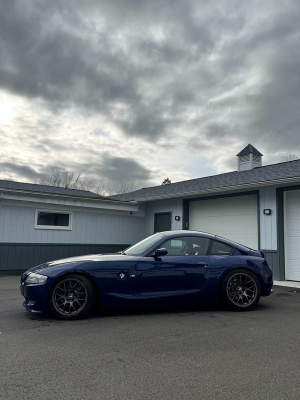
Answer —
139 90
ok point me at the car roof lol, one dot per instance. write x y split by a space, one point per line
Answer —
188 233
179 233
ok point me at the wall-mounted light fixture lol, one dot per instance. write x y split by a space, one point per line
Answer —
267 211
177 218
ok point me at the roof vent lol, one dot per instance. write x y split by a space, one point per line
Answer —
249 158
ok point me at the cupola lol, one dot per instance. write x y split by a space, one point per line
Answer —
249 158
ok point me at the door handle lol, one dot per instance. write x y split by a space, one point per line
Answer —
202 264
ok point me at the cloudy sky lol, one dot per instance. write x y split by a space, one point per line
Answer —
134 90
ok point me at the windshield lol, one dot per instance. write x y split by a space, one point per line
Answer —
141 247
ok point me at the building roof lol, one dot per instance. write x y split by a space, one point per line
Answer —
58 191
281 171
249 149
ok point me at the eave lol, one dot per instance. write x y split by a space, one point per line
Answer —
86 202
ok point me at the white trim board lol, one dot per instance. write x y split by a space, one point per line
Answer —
54 227
291 210
68 201
53 207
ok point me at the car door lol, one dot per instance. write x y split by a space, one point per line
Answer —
183 271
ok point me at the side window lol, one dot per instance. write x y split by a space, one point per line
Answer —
173 246
220 249
50 219
187 246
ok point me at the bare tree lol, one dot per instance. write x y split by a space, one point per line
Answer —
123 187
92 187
60 177
166 181
289 157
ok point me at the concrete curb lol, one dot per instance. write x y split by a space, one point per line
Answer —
289 284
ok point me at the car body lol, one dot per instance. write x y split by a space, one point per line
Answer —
168 267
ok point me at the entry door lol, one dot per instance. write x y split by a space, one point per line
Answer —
162 222
292 234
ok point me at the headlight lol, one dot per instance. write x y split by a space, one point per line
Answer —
35 278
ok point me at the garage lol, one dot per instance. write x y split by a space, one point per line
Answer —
248 206
234 218
292 234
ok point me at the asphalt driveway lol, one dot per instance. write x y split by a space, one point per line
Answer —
167 353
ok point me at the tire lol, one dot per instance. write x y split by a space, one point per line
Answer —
240 290
72 297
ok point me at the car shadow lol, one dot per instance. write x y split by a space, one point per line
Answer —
153 310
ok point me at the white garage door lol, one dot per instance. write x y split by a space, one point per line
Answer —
292 235
233 218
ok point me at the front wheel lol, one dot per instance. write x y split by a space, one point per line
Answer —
241 290
72 297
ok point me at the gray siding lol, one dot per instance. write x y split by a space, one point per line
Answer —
173 205
273 261
268 223
17 226
21 256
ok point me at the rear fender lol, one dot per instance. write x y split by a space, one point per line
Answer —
235 267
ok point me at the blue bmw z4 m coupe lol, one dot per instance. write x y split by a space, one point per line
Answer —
166 268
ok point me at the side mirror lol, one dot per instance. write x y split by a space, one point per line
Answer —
161 252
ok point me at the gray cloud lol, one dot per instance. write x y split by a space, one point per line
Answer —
117 169
49 52
44 55
205 76
109 171
9 169
276 109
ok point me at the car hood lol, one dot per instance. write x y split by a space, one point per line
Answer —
71 262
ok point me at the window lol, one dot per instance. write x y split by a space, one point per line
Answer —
245 158
186 246
140 248
46 219
220 249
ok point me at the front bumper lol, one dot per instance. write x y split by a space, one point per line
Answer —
36 297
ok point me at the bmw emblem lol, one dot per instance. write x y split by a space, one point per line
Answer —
122 276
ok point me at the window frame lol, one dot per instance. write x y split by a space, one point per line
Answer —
151 253
212 241
53 227
144 254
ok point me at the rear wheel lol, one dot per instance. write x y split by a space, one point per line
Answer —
72 297
241 290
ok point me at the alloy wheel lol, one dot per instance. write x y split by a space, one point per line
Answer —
241 289
70 296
